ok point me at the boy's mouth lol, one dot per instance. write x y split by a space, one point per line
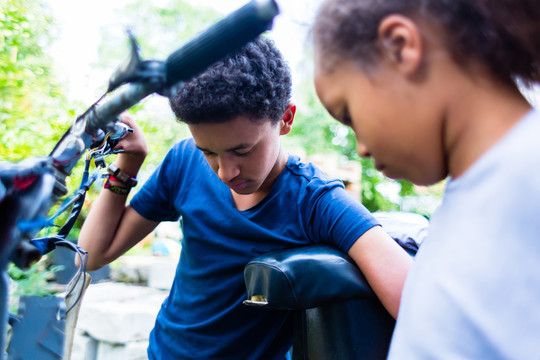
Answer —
238 185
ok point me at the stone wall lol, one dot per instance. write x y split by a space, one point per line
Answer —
116 318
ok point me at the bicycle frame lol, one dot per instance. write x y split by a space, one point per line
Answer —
30 188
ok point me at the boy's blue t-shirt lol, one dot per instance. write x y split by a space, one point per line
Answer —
203 317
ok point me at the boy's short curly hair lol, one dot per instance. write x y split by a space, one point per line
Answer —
254 81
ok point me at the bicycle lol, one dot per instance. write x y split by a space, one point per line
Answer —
29 189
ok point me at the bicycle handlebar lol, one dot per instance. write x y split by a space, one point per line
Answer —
217 41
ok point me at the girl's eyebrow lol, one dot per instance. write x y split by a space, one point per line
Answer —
330 111
332 114
339 116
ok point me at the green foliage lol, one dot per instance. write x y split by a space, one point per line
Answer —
159 29
33 281
32 111
313 130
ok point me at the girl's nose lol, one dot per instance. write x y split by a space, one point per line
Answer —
362 150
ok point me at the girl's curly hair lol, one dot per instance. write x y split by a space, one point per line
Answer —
254 81
503 34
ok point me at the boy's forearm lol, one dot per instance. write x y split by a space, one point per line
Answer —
99 228
130 164
101 225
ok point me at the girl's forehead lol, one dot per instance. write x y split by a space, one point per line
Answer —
332 85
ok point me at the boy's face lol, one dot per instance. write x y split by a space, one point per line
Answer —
245 155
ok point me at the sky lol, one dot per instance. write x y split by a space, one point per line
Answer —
80 22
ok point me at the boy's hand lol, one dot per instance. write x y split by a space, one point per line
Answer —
133 146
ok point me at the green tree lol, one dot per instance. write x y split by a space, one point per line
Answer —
159 29
32 108
34 112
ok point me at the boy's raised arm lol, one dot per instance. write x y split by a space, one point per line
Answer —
112 227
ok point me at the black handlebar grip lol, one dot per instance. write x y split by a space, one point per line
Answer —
227 35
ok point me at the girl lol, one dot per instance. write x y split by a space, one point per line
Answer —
430 88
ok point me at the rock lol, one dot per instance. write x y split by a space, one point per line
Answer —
130 351
161 273
131 269
119 313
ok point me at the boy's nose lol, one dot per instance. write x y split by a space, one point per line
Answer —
227 170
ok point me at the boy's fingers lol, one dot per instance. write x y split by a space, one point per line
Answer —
127 118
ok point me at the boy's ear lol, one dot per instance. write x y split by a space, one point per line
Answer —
401 43
287 119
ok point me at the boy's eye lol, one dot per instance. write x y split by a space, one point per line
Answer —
245 153
208 153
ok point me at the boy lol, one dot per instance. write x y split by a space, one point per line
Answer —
239 195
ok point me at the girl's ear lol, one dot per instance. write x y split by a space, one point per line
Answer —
287 119
401 43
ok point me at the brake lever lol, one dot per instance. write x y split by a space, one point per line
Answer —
128 71
135 69
114 138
